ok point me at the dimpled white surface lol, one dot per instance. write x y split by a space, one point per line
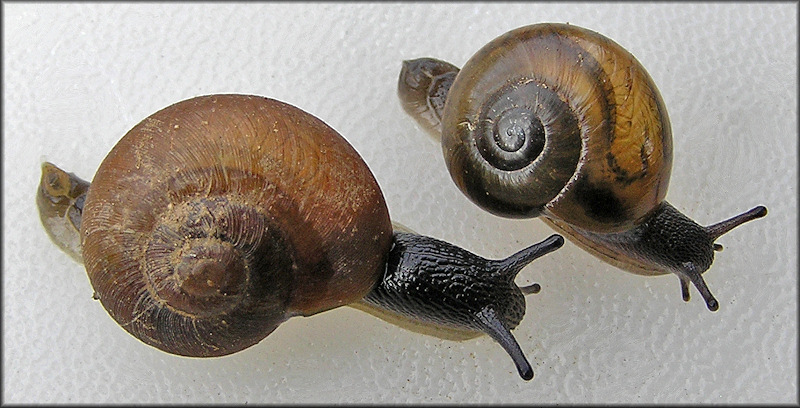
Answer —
77 76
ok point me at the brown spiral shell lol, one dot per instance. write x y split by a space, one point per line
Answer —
217 218
558 120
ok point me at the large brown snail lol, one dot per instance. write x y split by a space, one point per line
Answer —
560 121
219 217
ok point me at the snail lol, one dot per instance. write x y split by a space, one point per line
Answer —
217 218
561 122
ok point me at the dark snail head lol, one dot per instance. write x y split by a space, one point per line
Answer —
560 121
438 283
217 218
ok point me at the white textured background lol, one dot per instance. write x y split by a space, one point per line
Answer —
77 76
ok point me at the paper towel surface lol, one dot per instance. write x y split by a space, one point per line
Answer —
78 76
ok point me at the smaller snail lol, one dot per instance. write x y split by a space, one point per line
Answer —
560 121
219 217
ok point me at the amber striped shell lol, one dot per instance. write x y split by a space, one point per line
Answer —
217 218
558 120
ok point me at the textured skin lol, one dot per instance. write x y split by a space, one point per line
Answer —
665 242
440 283
437 283
660 245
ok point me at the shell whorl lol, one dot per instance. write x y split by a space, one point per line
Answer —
217 218
558 120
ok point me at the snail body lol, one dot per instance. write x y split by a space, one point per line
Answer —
219 217
558 121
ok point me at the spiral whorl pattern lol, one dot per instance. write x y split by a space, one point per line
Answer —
217 218
201 253
529 111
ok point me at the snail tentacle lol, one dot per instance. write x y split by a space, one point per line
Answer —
497 330
723 227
